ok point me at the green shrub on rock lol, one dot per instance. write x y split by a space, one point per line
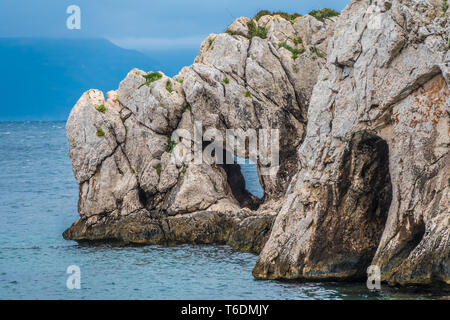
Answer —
100 132
101 108
256 31
169 86
151 77
323 14
285 15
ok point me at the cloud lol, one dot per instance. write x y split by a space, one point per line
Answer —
155 44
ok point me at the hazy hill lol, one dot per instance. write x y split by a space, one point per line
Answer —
41 79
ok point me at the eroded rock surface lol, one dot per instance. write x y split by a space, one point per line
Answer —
373 185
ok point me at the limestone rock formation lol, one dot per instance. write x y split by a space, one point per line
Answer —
373 183
131 187
361 104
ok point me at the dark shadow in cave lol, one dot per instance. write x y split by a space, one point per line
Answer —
357 209
370 198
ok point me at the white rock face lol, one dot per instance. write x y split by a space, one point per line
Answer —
153 105
201 187
386 79
240 83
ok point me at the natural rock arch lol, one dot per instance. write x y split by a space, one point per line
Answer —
131 191
350 216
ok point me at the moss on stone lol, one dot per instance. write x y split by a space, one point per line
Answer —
100 132
158 168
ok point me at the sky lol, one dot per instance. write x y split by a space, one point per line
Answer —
143 25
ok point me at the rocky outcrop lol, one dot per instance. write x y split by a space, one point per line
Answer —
243 231
373 184
361 104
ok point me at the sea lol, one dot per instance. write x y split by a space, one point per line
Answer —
38 201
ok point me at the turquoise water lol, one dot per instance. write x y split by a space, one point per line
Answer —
38 201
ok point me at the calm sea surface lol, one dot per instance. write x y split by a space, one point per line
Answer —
38 201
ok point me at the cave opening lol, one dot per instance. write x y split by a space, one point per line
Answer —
243 179
367 193
249 170
357 206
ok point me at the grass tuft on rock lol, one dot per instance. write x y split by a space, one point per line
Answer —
158 168
100 132
152 77
262 13
248 94
295 52
285 15
444 7
187 107
317 52
323 14
169 86
101 108
255 31
170 146
297 41
226 80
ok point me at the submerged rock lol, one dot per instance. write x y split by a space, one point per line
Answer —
361 102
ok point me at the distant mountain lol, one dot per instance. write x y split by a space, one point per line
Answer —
41 79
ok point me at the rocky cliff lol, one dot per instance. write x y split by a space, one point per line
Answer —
361 104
